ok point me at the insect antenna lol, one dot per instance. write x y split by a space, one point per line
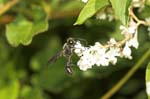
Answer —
80 39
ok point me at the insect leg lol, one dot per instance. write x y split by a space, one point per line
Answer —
84 41
68 67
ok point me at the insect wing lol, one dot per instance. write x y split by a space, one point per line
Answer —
54 58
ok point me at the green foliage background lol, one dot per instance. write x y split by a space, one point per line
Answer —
24 73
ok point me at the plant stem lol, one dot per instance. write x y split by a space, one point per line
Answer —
131 13
114 89
7 6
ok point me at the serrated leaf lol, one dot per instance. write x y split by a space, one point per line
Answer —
121 9
21 30
148 80
90 9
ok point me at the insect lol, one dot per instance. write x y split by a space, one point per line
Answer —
67 52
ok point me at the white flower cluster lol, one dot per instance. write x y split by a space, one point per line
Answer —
95 55
131 34
103 55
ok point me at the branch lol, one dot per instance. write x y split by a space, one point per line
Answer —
131 13
57 15
7 6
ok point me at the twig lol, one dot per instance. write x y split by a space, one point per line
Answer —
56 15
139 22
7 6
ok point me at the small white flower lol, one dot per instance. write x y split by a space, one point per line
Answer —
112 41
101 16
102 61
127 51
132 26
79 48
85 1
105 14
112 55
130 29
148 88
110 17
100 55
84 63
123 29
87 60
134 41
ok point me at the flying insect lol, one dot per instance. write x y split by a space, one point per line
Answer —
67 52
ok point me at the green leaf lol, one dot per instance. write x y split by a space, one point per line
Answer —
148 80
90 9
121 9
21 30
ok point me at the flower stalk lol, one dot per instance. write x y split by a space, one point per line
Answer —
128 75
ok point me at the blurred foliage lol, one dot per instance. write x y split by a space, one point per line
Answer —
24 73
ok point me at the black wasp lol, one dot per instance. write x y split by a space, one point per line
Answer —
67 52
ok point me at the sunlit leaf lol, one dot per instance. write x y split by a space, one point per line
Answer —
121 9
148 80
90 9
22 30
